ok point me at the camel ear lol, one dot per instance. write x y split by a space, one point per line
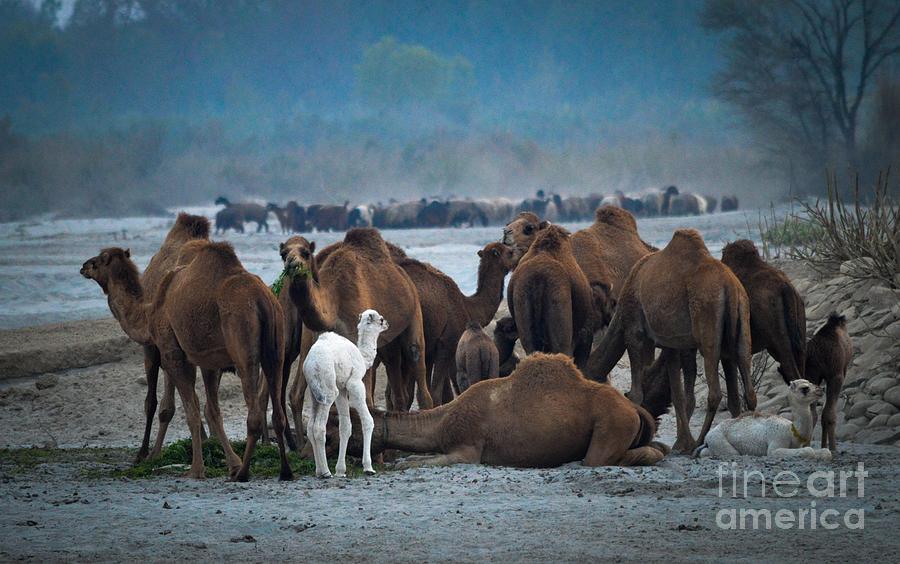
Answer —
280 247
480 253
128 253
544 224
104 258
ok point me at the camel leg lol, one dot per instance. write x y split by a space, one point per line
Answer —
688 361
415 367
443 369
211 382
684 442
714 394
256 419
263 399
732 387
358 402
639 356
396 397
829 415
369 382
345 427
151 369
166 413
315 431
609 443
272 371
461 455
747 380
183 376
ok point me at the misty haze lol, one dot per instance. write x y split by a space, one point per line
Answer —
572 267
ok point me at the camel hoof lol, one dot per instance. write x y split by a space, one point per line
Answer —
326 476
369 472
141 456
684 446
340 474
286 476
195 474
240 477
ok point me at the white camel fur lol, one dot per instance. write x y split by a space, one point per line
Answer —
755 434
334 370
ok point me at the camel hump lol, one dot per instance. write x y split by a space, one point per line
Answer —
687 239
220 252
540 368
740 252
551 239
616 217
192 226
396 252
368 240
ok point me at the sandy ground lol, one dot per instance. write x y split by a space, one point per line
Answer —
62 511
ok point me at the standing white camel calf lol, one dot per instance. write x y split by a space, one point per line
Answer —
334 370
770 435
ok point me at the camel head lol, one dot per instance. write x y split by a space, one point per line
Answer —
803 392
740 252
272 207
498 253
298 256
372 321
223 201
521 231
111 263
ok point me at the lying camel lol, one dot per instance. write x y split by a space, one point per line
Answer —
777 313
353 276
186 228
446 310
755 434
209 313
828 356
681 298
550 298
545 414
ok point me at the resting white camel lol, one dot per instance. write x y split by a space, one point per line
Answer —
334 370
755 434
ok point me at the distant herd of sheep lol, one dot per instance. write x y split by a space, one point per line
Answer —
436 213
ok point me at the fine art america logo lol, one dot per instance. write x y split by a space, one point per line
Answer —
814 514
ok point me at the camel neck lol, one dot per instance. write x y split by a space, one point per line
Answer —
126 304
803 422
312 303
482 305
367 343
413 432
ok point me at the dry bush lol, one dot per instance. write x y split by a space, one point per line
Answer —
868 227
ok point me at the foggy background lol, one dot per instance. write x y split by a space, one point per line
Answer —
125 107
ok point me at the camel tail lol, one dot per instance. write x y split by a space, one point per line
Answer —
647 429
609 350
795 326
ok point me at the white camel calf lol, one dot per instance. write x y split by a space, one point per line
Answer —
334 370
755 434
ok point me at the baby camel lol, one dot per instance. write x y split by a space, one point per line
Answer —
477 358
334 370
770 435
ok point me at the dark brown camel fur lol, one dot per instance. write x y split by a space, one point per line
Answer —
681 298
550 298
543 415
247 211
505 336
186 228
477 358
777 313
828 355
353 276
212 314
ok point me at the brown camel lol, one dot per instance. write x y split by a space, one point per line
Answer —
284 219
681 298
212 314
247 211
550 298
186 228
777 313
828 355
446 310
353 276
505 336
477 358
545 414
